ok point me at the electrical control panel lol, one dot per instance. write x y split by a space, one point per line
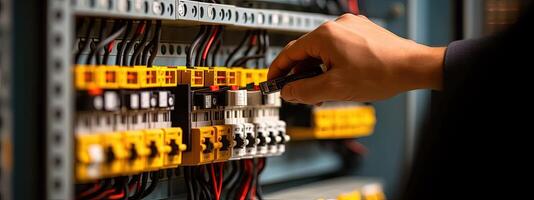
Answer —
141 92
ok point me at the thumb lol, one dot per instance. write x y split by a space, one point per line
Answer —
312 90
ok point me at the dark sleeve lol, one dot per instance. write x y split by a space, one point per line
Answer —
478 131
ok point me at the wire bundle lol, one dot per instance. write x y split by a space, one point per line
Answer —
143 53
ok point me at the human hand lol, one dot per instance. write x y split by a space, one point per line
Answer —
364 63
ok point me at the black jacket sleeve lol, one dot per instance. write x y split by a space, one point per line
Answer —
476 143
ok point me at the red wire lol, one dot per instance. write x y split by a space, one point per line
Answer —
353 5
117 196
215 184
208 46
104 194
249 179
92 190
221 175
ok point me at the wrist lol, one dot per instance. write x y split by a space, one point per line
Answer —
425 68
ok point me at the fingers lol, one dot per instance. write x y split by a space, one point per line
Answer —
306 47
312 90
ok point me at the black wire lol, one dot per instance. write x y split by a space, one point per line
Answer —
241 177
132 42
250 45
243 60
154 178
120 49
202 184
138 193
141 46
116 26
238 47
86 43
259 191
103 25
103 43
189 185
202 45
194 45
155 44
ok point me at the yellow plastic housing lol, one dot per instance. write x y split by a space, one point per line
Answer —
217 76
200 153
131 77
88 151
149 76
154 141
134 141
223 132
107 77
194 77
168 76
173 147
113 146
84 77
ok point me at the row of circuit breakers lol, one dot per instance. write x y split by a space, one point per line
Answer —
133 119
137 119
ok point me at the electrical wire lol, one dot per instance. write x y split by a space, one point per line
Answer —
129 45
122 46
238 47
103 25
202 45
106 41
107 50
259 191
86 41
141 46
140 188
194 45
208 45
154 178
154 47
189 186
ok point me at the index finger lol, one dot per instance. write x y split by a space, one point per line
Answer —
308 46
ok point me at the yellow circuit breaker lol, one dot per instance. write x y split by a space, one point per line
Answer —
173 147
134 141
89 157
115 154
154 141
202 146
224 137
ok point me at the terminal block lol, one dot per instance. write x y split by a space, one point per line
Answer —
333 120
84 77
107 77
193 77
217 76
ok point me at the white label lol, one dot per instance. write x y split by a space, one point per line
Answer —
145 99
163 98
